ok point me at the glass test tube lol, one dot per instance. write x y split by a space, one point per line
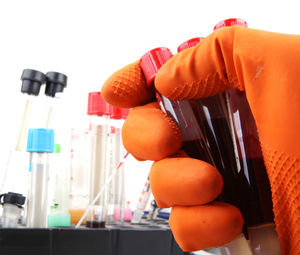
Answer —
99 112
40 144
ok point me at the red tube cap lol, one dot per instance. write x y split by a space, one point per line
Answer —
124 113
231 22
97 105
152 61
189 43
119 113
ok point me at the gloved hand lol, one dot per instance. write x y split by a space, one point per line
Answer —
263 64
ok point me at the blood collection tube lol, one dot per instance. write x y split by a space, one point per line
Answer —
99 112
12 208
116 150
142 203
256 203
40 144
189 43
206 133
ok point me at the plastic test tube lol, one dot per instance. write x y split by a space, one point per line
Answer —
32 81
142 203
115 151
127 215
239 244
256 205
59 215
80 165
99 112
55 85
12 208
40 144
214 145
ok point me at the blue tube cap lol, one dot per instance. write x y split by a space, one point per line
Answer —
40 140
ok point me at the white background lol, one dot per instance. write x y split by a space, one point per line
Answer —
89 40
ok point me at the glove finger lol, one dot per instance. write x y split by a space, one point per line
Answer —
150 134
204 70
126 88
184 181
205 226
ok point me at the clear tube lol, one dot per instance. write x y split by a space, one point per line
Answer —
263 240
102 190
11 215
256 204
37 205
122 210
50 106
25 122
116 190
205 129
59 215
127 214
18 157
99 135
206 135
142 203
238 246
111 156
80 164
233 144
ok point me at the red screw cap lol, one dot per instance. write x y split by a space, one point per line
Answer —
231 22
124 113
152 61
119 113
97 105
189 44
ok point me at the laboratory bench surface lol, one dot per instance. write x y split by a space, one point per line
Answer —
114 240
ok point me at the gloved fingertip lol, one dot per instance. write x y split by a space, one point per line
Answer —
126 88
207 226
184 181
150 134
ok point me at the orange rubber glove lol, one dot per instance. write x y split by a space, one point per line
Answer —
176 180
263 64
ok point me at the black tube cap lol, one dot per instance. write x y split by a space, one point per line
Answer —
55 83
13 198
32 81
